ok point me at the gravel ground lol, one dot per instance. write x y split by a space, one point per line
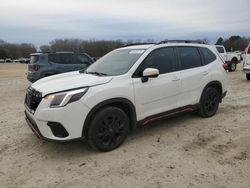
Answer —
187 151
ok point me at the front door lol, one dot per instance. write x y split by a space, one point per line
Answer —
159 94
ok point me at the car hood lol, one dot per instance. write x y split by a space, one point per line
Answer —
68 81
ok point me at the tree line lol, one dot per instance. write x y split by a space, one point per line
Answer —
97 48
91 47
234 43
15 51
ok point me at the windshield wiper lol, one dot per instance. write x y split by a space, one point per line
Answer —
96 73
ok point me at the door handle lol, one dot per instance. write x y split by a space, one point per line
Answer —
176 78
205 73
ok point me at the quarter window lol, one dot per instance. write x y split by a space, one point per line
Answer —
82 59
220 49
208 56
162 59
189 57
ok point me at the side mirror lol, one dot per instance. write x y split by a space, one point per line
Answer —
149 73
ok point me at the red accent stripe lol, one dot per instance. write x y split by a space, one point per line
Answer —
34 130
167 115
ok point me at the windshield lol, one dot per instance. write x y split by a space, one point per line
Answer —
117 62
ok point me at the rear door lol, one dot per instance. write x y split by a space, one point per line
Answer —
192 73
157 94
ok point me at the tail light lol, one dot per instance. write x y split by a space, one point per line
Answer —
36 67
225 66
246 50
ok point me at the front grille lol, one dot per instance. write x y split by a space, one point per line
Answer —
33 99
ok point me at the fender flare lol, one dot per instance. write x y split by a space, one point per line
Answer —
213 83
132 112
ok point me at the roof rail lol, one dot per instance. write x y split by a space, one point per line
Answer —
66 52
134 44
183 41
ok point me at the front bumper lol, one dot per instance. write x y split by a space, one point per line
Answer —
70 117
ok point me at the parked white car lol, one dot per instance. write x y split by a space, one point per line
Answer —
8 60
128 87
246 66
231 58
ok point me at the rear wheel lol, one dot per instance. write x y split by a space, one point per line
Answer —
233 67
209 102
248 76
108 129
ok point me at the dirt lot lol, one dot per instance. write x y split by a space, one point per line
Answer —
187 151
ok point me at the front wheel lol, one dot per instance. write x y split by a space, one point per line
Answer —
108 129
248 76
233 67
209 102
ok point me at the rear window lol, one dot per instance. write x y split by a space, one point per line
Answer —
208 56
34 59
220 49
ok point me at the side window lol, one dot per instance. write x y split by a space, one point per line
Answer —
189 57
61 58
66 58
162 59
53 58
208 56
220 49
82 59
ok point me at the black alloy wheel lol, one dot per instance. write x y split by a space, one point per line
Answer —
233 67
108 129
248 76
209 102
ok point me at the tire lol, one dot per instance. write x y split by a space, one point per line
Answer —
209 102
248 76
108 129
233 67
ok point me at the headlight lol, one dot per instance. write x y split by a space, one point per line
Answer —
64 98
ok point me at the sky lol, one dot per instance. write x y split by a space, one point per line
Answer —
41 21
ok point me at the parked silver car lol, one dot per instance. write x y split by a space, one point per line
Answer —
44 64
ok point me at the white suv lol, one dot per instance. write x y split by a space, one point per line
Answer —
128 87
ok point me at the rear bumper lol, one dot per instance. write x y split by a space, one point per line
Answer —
32 77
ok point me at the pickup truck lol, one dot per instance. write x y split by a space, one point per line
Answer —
231 58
